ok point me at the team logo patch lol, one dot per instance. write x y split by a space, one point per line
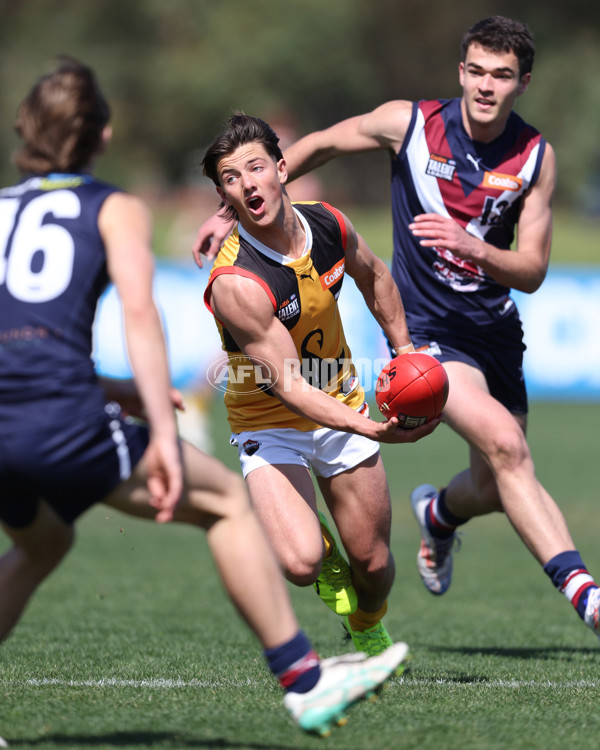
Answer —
440 166
500 181
251 446
289 308
335 273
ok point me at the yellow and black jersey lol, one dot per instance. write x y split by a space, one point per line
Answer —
304 295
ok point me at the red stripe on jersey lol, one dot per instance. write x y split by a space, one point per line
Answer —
527 140
341 223
238 272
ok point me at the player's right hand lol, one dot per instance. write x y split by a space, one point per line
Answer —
392 432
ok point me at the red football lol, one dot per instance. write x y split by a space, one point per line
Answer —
412 387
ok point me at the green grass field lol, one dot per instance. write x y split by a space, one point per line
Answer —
131 643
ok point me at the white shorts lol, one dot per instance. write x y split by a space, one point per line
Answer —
327 452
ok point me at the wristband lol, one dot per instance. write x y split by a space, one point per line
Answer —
398 350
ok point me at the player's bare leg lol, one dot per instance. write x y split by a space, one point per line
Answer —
304 545
215 499
359 502
501 477
284 498
502 473
37 549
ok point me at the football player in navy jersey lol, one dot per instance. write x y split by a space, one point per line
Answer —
63 236
468 174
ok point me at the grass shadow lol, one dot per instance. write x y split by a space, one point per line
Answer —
144 739
547 652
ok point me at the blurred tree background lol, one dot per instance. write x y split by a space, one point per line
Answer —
175 69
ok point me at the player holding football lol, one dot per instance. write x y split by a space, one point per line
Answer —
63 235
466 174
273 290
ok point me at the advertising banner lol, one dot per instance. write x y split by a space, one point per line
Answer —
561 323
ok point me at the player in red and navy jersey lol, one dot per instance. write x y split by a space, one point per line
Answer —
63 236
468 175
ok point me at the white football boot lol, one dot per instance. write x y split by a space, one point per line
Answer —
434 559
344 681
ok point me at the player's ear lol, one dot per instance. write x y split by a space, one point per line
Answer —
524 83
282 171
222 196
105 138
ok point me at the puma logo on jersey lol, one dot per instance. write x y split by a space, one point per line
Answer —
502 181
440 166
473 161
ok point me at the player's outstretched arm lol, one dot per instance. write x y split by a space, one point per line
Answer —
383 128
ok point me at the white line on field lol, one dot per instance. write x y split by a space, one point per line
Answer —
155 684
167 684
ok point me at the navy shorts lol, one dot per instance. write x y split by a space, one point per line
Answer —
71 465
497 353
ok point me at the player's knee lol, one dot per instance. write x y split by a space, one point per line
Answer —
301 565
509 450
300 575
376 567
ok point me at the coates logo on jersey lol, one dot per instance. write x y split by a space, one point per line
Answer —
499 181
335 274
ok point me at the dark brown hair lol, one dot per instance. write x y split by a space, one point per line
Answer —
61 120
501 34
241 129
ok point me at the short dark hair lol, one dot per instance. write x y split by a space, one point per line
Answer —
240 129
501 34
61 120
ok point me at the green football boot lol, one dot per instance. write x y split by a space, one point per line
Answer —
334 584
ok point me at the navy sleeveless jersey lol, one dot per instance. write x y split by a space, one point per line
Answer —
440 169
52 272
